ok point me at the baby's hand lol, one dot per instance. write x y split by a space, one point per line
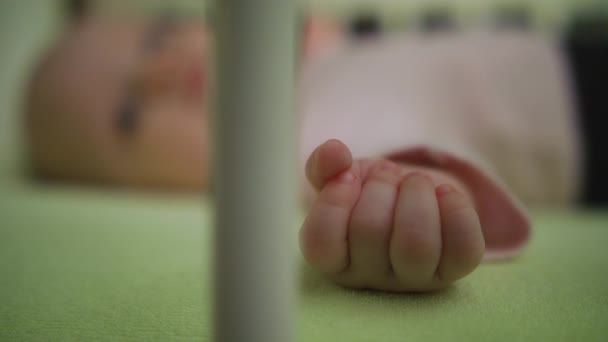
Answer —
376 225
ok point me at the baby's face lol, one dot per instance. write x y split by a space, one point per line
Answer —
127 100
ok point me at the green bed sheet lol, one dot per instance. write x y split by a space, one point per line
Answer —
82 264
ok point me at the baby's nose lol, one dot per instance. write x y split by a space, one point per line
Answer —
158 76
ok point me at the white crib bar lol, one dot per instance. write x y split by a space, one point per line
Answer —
255 179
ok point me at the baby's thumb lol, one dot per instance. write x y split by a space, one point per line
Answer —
326 161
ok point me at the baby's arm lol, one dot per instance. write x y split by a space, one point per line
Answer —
381 225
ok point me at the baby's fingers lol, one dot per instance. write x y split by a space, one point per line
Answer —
326 161
462 239
416 240
324 234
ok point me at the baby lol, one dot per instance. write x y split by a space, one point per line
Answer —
413 146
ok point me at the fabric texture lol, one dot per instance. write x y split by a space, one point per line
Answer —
79 264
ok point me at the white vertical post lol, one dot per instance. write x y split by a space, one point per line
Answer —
255 179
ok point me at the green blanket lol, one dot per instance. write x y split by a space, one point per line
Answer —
80 264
